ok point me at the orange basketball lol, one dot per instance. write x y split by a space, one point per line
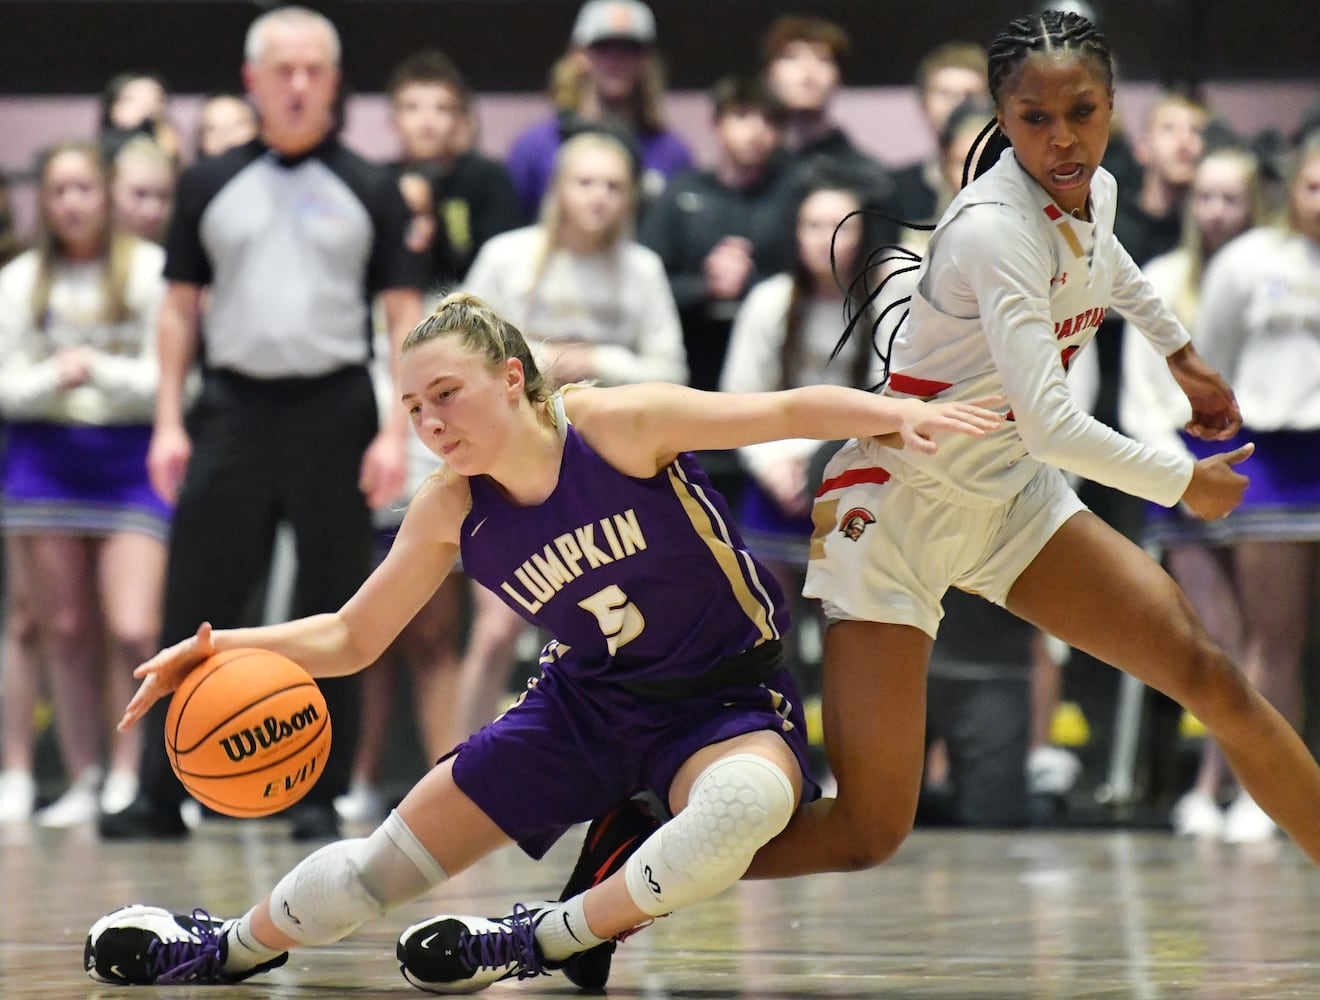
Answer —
247 732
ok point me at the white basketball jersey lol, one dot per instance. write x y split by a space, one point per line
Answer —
1010 289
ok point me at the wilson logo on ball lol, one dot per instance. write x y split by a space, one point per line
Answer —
271 732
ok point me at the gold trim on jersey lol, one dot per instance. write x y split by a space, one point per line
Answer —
736 565
1065 229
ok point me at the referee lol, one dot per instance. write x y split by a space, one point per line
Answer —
276 252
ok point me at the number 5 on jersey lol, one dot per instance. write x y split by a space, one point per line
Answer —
620 621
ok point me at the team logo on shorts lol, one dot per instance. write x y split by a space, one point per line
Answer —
855 521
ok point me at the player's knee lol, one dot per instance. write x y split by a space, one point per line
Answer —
1215 690
749 796
323 899
340 887
864 841
735 806
1194 669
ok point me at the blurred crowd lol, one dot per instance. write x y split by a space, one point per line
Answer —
132 322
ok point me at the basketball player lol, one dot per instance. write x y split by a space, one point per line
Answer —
1019 271
585 512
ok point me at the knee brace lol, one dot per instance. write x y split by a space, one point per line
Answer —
736 805
337 889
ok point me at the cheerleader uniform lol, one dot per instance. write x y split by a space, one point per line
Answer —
76 459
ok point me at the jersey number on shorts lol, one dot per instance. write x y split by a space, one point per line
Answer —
620 621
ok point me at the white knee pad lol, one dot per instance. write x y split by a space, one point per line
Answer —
337 889
736 805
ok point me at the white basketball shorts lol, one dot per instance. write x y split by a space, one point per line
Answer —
889 540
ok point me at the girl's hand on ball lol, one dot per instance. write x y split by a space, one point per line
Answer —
165 671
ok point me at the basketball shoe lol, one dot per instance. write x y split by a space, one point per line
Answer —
454 954
141 945
610 841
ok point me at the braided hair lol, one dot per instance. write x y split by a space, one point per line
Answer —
1050 31
1047 32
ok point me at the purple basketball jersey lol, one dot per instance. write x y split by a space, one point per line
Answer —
639 580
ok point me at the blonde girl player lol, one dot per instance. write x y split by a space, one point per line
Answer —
587 513
1019 272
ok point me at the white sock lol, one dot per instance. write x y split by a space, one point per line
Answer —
244 951
562 930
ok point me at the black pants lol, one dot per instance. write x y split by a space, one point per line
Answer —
266 452
986 725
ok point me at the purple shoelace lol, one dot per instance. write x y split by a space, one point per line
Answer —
496 949
189 961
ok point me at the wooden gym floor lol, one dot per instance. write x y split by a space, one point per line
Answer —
955 916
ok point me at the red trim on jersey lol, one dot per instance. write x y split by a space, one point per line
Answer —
853 477
1052 213
910 386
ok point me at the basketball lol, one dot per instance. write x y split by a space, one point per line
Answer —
247 732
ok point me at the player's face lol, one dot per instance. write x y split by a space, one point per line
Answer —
1306 199
458 405
429 120
594 192
75 203
1056 115
804 76
1220 201
293 85
143 192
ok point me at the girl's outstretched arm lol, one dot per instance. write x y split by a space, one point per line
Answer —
640 428
340 642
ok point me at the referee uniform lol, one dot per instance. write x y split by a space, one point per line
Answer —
293 250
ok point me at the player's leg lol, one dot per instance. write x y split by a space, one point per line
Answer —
887 544
436 832
733 762
1098 592
874 717
727 800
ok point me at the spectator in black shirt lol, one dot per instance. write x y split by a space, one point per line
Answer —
712 229
803 60
472 196
1149 220
948 76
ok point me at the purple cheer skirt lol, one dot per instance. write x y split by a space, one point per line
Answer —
76 480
